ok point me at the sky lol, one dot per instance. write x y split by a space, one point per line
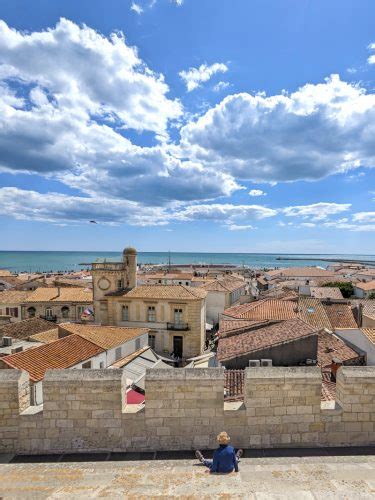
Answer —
188 125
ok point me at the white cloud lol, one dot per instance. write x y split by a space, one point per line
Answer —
226 212
316 211
53 131
317 131
195 76
236 227
364 217
371 58
307 224
257 192
55 207
220 86
88 73
136 8
178 2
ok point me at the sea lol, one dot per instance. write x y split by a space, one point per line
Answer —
36 261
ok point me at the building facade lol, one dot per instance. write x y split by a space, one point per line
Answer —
175 314
57 304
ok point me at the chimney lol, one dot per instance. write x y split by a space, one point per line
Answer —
58 291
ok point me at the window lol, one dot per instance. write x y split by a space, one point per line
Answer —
48 312
120 284
178 316
137 344
65 312
80 310
151 341
101 365
12 311
118 353
86 365
31 312
125 313
151 314
186 283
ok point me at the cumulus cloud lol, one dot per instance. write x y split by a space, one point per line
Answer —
53 131
194 77
317 131
61 208
89 73
316 211
55 207
257 192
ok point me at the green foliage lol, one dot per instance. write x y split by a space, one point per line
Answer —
345 288
372 295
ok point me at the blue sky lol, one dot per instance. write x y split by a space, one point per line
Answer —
194 125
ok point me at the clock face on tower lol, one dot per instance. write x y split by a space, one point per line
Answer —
103 284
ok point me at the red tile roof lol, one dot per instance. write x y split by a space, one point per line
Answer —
274 309
340 315
262 338
63 353
330 346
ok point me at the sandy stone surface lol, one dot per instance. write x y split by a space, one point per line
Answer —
264 478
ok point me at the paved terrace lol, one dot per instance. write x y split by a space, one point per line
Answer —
301 474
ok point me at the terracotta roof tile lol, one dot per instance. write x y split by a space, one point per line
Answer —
64 294
63 353
367 287
46 337
262 338
231 326
301 271
106 337
312 311
370 334
330 346
340 315
24 329
224 285
274 309
328 387
324 292
13 296
178 292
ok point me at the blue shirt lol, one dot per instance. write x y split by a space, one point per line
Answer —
225 459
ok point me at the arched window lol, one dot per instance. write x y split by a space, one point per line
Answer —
31 311
65 312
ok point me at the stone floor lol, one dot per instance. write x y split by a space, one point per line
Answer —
292 475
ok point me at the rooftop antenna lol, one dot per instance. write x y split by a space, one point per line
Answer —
169 261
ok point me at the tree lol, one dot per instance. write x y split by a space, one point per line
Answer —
345 288
372 295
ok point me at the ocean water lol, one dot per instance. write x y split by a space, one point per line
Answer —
19 261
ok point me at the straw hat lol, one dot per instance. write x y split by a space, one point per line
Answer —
223 438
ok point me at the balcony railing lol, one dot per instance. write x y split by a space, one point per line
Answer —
49 318
178 326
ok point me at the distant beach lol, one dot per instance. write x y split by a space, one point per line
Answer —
25 261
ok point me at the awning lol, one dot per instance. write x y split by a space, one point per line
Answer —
134 397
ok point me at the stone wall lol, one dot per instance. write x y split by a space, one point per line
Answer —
85 410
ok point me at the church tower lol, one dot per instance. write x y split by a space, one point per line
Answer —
129 257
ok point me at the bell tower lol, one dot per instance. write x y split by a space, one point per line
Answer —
129 257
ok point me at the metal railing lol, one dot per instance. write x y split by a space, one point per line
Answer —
178 326
49 318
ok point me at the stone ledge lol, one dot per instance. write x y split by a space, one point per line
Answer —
172 374
84 375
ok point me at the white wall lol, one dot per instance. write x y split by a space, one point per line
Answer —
358 292
359 339
126 349
215 305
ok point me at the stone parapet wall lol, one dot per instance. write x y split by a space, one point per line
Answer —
85 410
